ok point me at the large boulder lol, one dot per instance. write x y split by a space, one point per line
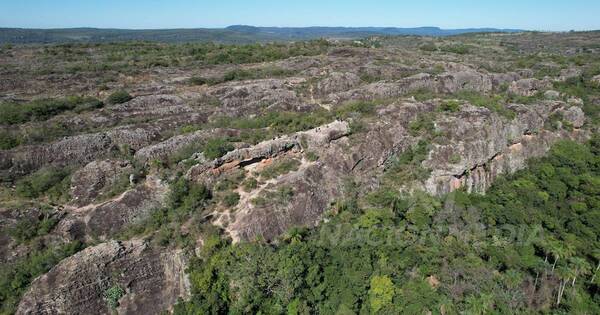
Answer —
337 82
143 280
97 178
527 87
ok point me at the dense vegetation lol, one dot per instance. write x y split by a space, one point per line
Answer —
530 245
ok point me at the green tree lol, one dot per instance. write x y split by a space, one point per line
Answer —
381 293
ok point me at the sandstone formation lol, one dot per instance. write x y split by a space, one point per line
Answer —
151 281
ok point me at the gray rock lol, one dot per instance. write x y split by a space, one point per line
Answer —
569 73
574 115
337 82
151 279
96 178
527 87
552 95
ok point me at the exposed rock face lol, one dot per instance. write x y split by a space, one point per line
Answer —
269 149
110 217
80 149
569 73
162 150
487 146
574 116
478 146
151 279
337 82
450 82
239 98
151 105
527 87
552 95
96 178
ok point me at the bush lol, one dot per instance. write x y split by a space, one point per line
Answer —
358 107
216 148
231 199
119 97
112 296
7 140
423 124
450 106
187 195
250 184
30 227
197 81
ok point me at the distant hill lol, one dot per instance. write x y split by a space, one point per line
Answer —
231 34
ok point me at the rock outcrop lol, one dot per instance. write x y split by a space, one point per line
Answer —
96 179
75 150
527 87
110 217
481 146
151 281
478 146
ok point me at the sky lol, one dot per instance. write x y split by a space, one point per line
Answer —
543 15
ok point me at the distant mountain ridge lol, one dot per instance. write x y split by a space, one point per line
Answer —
230 34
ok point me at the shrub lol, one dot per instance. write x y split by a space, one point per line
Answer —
30 227
7 140
112 296
184 153
187 195
119 97
423 124
216 148
311 156
450 106
495 103
88 104
359 107
197 81
249 184
15 277
231 199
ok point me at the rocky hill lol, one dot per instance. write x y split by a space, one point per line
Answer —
121 162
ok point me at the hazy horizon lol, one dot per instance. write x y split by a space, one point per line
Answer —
136 14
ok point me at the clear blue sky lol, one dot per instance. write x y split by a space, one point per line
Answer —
526 14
